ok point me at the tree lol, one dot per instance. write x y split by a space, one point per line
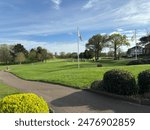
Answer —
117 40
32 55
5 56
74 55
17 49
20 57
62 55
49 55
42 54
68 55
145 39
81 55
96 44
89 54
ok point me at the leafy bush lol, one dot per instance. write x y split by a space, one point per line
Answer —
144 81
120 82
98 84
138 62
99 65
23 103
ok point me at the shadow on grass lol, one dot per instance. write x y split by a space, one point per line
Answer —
98 102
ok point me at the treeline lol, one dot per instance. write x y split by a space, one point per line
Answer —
12 54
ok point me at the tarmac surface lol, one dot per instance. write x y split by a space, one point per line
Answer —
69 100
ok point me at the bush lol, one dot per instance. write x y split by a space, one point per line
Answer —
99 65
120 82
98 84
138 62
144 81
23 103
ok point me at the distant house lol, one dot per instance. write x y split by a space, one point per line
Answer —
147 49
135 50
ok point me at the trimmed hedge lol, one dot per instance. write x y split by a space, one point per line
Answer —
139 62
120 82
144 81
98 84
23 103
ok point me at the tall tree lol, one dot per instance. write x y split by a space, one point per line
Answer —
17 49
5 56
96 44
117 40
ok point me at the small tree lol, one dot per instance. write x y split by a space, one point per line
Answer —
20 57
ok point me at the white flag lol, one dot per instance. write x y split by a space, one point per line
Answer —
79 35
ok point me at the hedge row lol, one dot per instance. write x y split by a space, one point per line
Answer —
139 62
122 82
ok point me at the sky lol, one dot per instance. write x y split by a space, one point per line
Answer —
53 24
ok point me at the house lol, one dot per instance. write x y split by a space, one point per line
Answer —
135 50
147 49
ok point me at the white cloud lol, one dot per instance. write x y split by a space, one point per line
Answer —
90 4
119 29
134 12
57 3
51 46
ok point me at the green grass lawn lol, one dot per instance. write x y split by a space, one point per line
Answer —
6 90
66 72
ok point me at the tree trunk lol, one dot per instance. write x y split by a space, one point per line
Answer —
115 52
96 55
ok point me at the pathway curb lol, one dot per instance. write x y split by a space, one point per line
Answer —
125 98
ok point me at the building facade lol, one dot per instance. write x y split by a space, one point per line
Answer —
135 50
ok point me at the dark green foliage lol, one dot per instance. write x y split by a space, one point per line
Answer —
144 81
96 44
99 65
145 39
98 84
120 82
138 62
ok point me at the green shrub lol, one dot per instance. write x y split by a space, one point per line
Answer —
144 81
99 65
98 84
23 103
120 82
139 62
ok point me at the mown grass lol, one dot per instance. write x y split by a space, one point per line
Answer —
7 90
66 72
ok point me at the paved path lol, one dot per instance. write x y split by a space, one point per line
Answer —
65 99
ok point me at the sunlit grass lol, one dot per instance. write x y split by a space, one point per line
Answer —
66 72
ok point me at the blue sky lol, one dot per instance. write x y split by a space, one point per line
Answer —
53 23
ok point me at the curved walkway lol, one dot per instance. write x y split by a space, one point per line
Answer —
64 99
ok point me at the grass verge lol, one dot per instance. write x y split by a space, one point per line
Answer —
6 90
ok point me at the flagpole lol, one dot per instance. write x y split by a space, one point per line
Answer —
78 47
